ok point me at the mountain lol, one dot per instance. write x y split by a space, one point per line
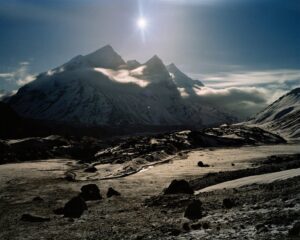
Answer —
101 89
282 116
185 84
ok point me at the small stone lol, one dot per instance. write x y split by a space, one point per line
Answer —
75 207
201 164
194 210
112 192
31 218
91 169
90 192
37 199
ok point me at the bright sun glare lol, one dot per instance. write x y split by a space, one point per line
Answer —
142 23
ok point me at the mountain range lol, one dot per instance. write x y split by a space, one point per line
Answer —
101 89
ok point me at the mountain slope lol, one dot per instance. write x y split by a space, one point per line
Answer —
282 116
100 89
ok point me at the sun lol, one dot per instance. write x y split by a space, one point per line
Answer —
142 23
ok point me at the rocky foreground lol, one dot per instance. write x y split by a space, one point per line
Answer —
150 148
37 201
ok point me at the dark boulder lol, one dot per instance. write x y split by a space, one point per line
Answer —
91 169
112 192
229 203
75 207
194 210
37 199
31 218
90 192
295 230
179 186
201 164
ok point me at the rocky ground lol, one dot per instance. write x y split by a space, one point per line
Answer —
151 148
35 198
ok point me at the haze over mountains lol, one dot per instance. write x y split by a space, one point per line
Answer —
101 89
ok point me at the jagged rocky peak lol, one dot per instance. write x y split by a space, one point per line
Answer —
181 79
173 68
132 64
105 57
155 67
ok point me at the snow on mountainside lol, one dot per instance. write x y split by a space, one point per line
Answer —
282 116
185 85
102 89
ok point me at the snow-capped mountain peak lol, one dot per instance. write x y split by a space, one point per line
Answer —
182 80
105 57
101 89
156 70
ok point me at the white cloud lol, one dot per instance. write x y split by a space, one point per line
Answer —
251 78
245 93
6 75
243 102
17 78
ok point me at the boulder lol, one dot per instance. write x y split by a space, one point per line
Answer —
90 192
201 164
37 199
31 218
179 186
75 207
112 192
194 210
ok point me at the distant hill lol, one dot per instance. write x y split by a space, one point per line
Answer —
282 116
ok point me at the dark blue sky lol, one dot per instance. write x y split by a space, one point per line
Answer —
204 36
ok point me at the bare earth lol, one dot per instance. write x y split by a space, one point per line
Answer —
127 216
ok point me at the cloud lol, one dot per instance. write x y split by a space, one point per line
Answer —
6 75
285 78
242 102
13 80
244 93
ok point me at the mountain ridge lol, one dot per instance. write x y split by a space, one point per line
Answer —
282 116
85 91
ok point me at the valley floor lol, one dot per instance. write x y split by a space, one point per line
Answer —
262 211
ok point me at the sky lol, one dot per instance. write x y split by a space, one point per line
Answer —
252 46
